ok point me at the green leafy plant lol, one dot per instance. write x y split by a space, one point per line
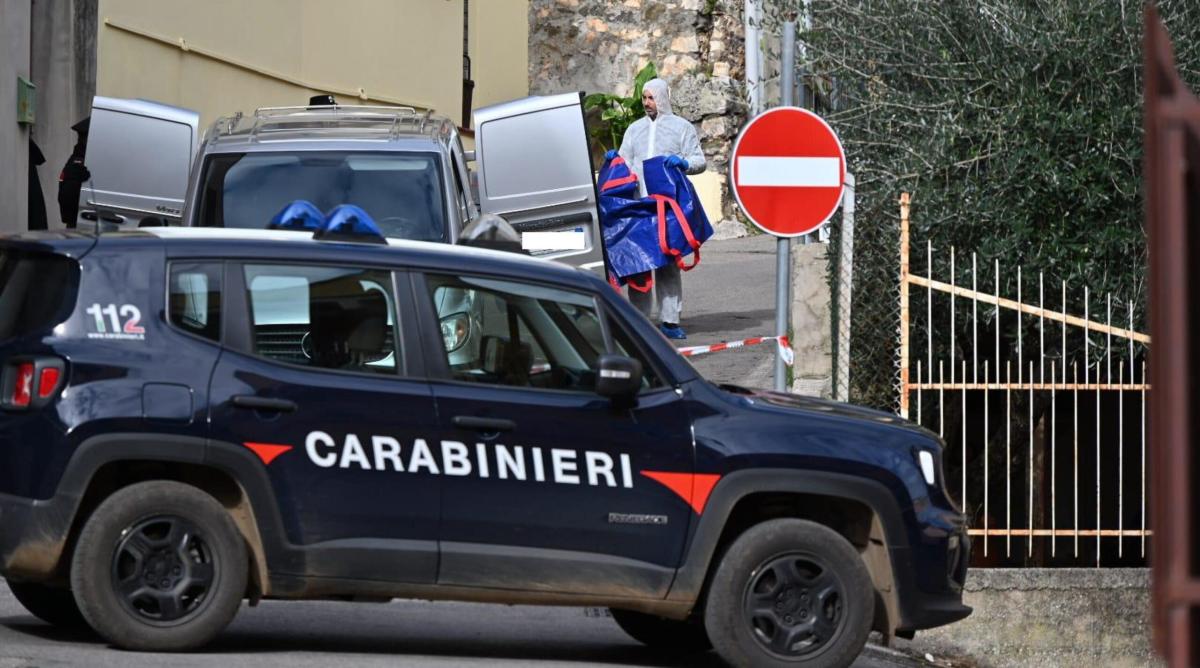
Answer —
616 113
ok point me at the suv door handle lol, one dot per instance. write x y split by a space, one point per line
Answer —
483 424
264 403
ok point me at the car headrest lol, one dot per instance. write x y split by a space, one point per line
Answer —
369 319
348 327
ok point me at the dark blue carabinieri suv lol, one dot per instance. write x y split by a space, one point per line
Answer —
192 418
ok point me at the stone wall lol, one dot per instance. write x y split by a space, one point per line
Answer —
1070 617
696 45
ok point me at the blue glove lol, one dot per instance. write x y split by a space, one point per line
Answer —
610 154
676 161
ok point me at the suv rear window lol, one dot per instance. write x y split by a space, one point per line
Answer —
402 191
37 291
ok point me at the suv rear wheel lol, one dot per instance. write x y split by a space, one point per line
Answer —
159 566
790 593
49 604
687 635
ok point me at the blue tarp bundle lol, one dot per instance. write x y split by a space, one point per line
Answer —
645 233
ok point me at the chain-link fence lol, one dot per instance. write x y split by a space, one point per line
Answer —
864 284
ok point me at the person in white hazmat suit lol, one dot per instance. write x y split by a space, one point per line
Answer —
660 132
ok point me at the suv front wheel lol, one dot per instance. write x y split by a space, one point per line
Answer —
793 593
159 566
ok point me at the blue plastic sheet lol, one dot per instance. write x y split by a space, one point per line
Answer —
634 236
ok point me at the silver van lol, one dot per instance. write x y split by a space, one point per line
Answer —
407 169
139 153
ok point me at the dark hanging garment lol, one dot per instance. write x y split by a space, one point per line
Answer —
74 173
37 202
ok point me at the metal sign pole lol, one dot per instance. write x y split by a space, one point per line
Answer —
783 265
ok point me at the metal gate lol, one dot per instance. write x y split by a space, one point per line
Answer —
1078 485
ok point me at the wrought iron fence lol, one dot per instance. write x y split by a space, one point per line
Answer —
1078 450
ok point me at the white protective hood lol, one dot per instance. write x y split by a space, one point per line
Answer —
661 94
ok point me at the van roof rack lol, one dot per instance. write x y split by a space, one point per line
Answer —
393 120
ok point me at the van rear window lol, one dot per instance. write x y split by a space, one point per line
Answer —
37 291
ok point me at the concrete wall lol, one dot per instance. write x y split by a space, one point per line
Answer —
812 335
243 55
63 63
14 138
1049 617
499 50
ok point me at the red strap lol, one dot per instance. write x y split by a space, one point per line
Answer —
616 183
645 287
663 201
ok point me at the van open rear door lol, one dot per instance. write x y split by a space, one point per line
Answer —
139 153
535 171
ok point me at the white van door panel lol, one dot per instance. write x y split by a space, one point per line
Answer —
139 154
534 170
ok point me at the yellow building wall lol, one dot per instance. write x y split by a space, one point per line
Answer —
222 56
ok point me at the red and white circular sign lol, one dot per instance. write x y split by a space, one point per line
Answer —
788 171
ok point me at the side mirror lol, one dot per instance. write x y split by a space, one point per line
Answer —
618 377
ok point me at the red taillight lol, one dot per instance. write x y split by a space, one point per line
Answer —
48 382
23 389
29 383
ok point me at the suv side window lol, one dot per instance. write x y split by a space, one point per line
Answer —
324 317
194 298
507 333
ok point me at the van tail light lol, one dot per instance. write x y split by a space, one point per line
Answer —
30 382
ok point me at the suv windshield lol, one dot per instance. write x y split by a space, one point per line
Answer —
401 191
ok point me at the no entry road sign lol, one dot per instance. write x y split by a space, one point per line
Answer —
788 170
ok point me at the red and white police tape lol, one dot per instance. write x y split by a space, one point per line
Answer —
785 348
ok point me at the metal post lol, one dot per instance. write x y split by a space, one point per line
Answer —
753 25
841 390
904 315
787 76
783 265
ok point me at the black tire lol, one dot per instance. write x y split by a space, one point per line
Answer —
791 593
159 566
661 633
50 604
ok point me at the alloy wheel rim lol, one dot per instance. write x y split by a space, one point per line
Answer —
794 605
163 570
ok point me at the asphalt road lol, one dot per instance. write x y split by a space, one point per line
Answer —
401 633
730 296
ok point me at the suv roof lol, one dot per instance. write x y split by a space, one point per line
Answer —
235 242
325 124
